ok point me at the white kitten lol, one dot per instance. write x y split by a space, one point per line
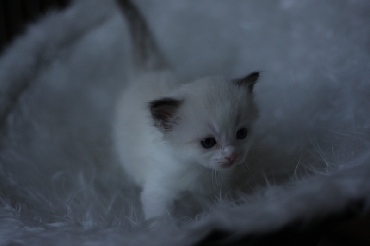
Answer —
170 136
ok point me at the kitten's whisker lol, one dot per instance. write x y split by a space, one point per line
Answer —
245 169
206 175
213 177
219 179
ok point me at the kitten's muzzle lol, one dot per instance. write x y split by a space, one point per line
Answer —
229 153
232 157
227 164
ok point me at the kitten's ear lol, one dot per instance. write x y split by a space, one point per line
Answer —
248 81
163 112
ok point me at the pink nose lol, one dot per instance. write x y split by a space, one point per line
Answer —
231 157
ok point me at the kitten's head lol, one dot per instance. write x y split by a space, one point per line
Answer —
209 122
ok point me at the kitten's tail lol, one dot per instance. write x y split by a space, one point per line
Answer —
147 55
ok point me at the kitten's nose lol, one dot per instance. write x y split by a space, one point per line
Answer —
231 157
230 153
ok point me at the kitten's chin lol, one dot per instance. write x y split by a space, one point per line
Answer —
227 165
224 166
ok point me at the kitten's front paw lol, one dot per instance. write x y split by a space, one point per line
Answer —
155 203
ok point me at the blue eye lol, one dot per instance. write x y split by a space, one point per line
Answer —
208 143
241 133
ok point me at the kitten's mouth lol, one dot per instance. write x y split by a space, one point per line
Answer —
227 164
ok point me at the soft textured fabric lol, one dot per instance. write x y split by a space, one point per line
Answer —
60 183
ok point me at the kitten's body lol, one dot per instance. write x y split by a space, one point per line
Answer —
173 137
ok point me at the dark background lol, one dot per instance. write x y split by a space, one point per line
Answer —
16 14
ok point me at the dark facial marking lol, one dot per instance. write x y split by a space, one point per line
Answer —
248 81
163 112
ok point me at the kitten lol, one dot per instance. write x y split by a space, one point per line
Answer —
171 137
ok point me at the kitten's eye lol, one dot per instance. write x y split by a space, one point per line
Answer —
241 133
208 143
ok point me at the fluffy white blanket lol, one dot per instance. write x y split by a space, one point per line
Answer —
59 181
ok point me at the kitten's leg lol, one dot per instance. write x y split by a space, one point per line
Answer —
156 201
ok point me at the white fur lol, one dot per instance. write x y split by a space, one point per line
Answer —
166 163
